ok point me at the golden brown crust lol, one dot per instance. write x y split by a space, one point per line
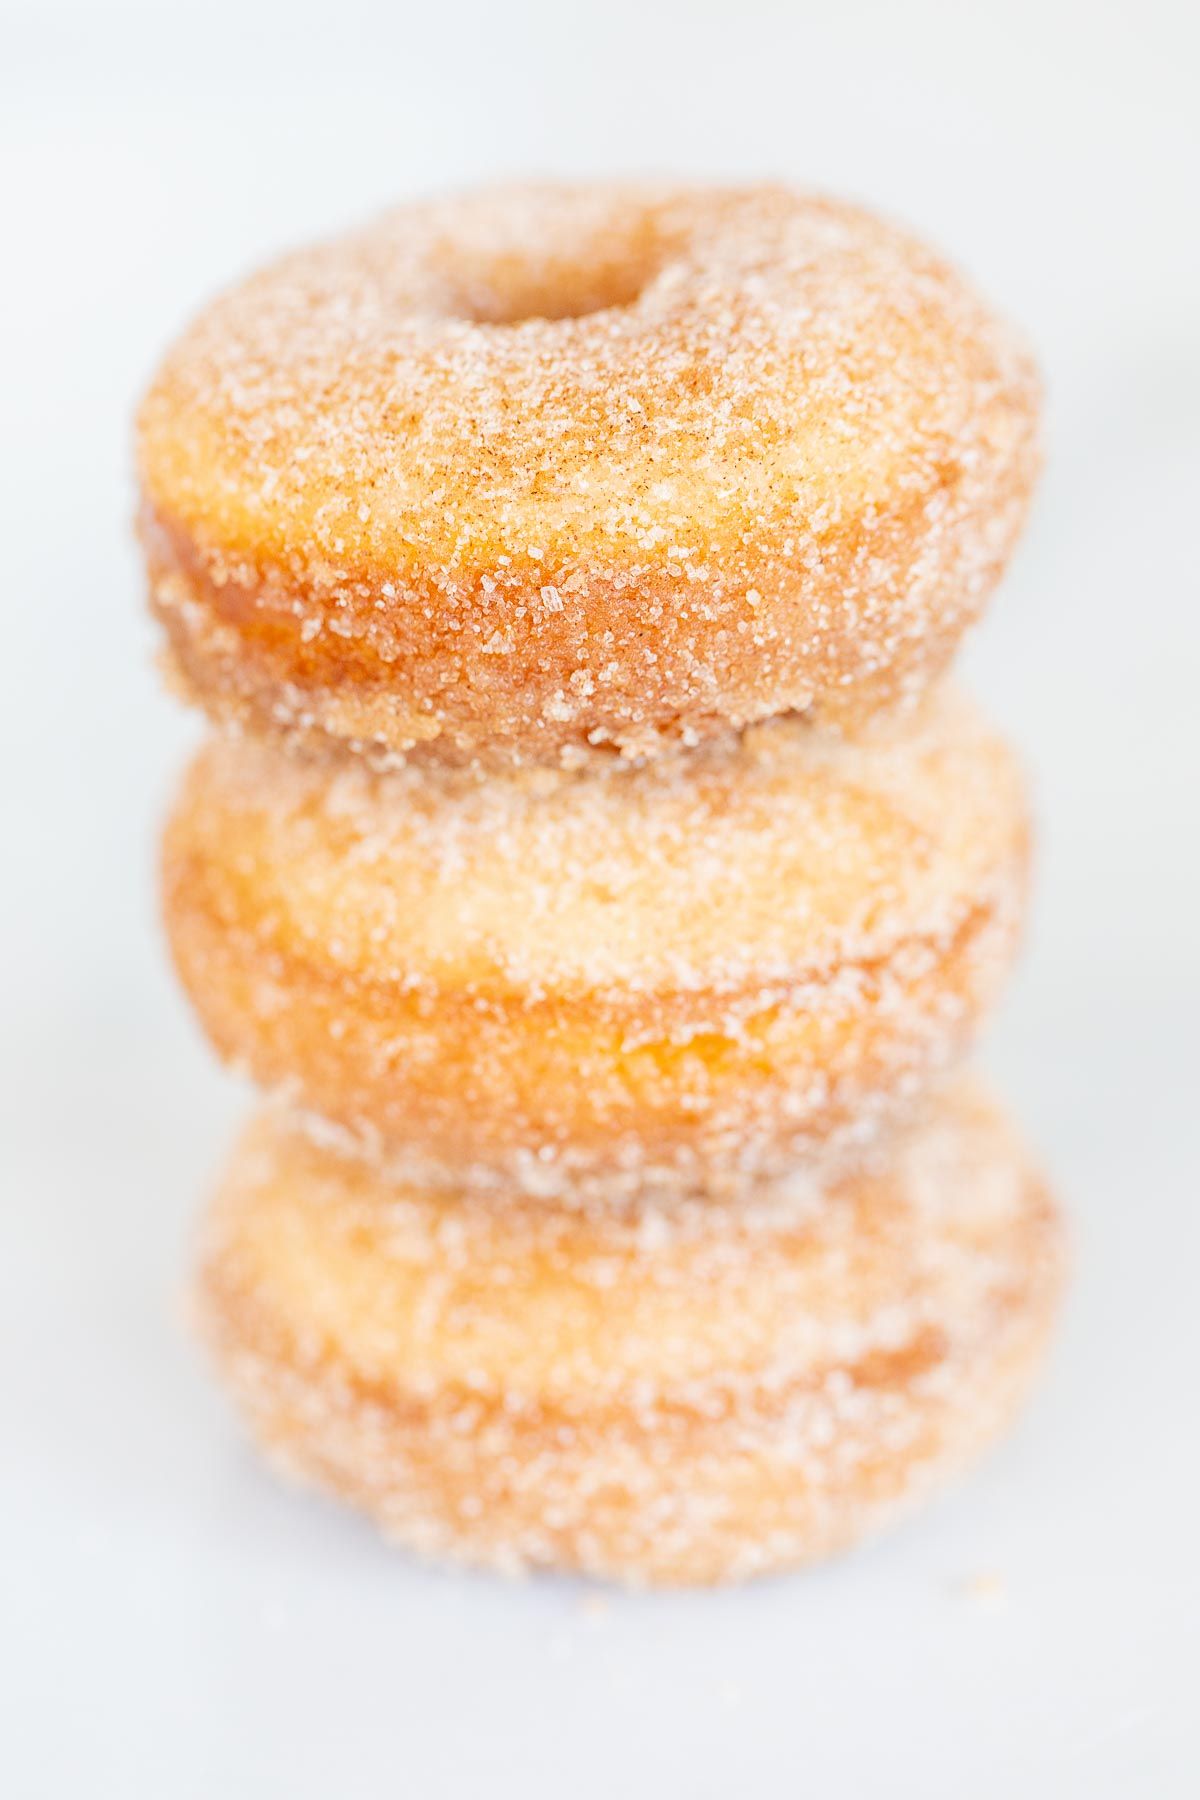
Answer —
688 1394
399 491
691 972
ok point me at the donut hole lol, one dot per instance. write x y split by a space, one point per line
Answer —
513 291
566 261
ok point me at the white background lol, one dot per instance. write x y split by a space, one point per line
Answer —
171 1622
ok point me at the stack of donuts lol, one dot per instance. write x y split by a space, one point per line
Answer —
595 870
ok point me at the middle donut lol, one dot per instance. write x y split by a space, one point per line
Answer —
690 973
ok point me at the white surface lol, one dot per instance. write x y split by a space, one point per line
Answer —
171 1622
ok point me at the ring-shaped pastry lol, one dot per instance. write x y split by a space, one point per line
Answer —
525 472
695 1394
688 973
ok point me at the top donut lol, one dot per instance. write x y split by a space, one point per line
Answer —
541 468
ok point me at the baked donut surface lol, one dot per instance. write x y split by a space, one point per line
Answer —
686 973
692 1394
513 474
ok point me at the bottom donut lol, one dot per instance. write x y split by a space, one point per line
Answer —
683 1393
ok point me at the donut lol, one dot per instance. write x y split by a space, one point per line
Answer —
546 471
684 973
695 1394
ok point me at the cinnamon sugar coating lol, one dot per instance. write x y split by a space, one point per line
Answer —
690 1394
533 471
689 973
